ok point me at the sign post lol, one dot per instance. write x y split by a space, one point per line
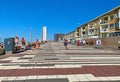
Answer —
98 44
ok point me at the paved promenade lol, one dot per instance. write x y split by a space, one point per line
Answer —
52 63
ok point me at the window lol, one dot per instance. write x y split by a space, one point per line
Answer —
111 26
83 28
97 30
117 24
97 22
104 29
111 17
104 35
110 34
117 14
83 32
117 33
114 34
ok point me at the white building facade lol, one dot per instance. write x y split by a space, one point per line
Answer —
44 33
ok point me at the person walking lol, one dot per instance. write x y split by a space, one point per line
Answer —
65 43
16 41
36 44
84 42
77 43
23 42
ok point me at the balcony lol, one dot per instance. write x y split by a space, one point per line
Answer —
104 20
105 35
83 29
93 37
96 32
104 30
90 27
97 23
90 33
84 36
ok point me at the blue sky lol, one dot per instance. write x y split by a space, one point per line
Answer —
60 16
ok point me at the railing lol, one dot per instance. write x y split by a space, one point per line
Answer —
104 22
83 30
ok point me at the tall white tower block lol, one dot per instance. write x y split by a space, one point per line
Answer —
44 33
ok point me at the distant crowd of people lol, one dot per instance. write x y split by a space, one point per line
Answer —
17 45
22 45
80 42
77 42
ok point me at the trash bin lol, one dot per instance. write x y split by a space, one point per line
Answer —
9 45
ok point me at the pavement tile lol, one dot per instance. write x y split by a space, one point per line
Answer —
72 78
8 81
102 78
51 66
91 77
2 67
22 68
42 77
81 77
10 78
5 61
21 77
11 58
19 81
52 80
114 78
54 64
11 67
2 78
58 66
23 58
30 80
64 66
61 76
52 77
31 67
35 67
28 56
32 77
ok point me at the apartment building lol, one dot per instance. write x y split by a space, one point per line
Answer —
58 37
106 25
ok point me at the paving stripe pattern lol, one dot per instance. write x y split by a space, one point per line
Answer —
52 63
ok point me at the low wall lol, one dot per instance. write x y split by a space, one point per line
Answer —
106 42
